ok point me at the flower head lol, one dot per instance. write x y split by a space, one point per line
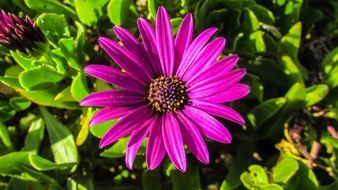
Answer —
171 89
19 34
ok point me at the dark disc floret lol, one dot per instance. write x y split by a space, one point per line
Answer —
167 94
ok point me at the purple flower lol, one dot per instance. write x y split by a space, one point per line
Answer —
19 34
170 90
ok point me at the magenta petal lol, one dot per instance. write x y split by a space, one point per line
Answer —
115 98
155 151
133 46
109 113
135 141
220 67
114 76
236 92
125 125
215 84
183 38
208 125
173 142
195 47
165 41
193 138
125 60
219 110
149 42
205 57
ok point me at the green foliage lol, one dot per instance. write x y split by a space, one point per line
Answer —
289 141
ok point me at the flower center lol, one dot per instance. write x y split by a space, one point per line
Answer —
167 94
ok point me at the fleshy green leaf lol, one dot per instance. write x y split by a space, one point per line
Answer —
34 136
284 170
255 177
19 103
89 11
118 11
152 8
79 87
46 97
265 110
53 6
61 140
118 150
330 61
22 60
100 129
54 26
67 47
315 94
35 78
263 14
5 138
65 95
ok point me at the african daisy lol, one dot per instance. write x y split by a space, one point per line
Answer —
170 90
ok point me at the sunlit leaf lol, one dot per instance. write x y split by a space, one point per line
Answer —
118 11
265 110
61 140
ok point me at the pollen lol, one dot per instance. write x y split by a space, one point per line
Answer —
167 94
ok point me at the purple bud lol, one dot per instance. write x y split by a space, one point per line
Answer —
19 34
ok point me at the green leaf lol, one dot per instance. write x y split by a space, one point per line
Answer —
296 95
118 149
19 103
54 26
67 47
24 61
291 41
13 71
118 11
46 97
6 111
263 14
34 136
255 177
5 138
264 111
332 113
61 140
257 40
306 178
100 129
11 82
288 57
89 11
18 159
250 22
175 23
190 180
290 69
332 80
79 87
330 61
38 77
53 6
285 170
65 95
315 94
152 8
